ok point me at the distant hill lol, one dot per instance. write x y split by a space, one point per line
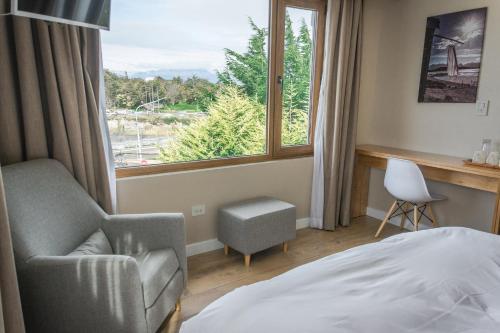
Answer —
169 74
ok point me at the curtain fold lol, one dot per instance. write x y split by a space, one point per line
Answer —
11 316
336 124
50 101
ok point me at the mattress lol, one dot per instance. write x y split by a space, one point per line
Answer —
439 280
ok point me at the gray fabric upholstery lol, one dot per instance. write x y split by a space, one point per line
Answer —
131 290
156 269
254 225
96 244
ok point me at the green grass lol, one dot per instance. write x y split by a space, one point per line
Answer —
182 107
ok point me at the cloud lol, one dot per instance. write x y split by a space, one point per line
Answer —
137 59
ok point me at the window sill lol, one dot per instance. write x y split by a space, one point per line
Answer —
200 165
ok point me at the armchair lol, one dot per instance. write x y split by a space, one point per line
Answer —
82 270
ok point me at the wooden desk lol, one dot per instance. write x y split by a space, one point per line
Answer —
441 168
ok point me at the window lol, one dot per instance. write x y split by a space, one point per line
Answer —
197 83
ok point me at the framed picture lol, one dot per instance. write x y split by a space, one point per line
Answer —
451 63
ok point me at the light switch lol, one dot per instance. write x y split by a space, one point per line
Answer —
198 210
482 108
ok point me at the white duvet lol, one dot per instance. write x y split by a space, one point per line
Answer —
440 280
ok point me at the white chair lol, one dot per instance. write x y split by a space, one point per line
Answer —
405 182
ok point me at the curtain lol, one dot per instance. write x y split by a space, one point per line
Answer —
51 94
335 137
11 317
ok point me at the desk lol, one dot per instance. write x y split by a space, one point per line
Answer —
441 168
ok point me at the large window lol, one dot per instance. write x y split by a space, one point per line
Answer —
200 83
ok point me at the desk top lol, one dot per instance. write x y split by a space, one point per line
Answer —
427 159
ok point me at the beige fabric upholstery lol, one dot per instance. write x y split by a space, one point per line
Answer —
335 137
49 95
10 303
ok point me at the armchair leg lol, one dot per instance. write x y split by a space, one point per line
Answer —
226 249
178 305
285 247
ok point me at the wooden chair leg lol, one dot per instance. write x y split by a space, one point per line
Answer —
415 218
389 213
285 247
403 216
247 260
226 249
178 305
432 216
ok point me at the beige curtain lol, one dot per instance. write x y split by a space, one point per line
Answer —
11 317
50 100
335 137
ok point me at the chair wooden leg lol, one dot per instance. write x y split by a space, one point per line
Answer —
226 249
285 247
415 218
389 213
432 216
178 305
403 216
247 260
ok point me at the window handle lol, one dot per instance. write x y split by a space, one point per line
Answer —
280 82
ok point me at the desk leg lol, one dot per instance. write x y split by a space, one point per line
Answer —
360 185
495 226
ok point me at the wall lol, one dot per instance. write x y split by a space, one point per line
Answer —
390 115
289 180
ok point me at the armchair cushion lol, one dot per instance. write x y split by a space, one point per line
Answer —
156 269
96 244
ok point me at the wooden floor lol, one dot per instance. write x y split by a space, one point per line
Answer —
211 275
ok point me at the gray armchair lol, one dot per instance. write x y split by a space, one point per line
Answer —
81 270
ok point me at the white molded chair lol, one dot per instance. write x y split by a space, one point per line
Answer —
405 182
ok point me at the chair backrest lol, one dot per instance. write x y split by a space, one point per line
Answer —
49 212
404 181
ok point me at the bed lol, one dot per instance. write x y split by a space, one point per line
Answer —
439 280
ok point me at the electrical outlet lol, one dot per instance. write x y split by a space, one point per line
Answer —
198 210
482 108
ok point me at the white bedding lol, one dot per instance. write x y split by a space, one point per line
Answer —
440 280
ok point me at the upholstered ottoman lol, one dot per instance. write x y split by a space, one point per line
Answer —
257 224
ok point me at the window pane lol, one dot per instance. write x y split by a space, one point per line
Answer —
186 80
297 78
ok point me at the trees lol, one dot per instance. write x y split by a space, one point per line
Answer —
235 126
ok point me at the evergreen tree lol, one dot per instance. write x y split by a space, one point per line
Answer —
235 126
250 69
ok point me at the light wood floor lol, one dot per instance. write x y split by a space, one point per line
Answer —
211 275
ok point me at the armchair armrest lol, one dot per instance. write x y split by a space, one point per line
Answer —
84 294
135 233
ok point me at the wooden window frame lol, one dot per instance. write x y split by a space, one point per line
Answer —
274 148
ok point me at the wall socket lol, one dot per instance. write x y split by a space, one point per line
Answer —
482 108
198 210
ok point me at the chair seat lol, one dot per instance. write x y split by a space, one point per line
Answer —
156 269
438 197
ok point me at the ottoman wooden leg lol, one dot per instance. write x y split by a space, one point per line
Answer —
178 305
285 247
226 249
247 260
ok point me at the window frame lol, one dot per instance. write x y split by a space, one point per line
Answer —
274 148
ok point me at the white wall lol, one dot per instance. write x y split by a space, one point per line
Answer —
394 33
289 180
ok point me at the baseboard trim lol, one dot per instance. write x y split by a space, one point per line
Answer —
214 244
380 215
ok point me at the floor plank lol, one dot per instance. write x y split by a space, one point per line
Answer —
212 274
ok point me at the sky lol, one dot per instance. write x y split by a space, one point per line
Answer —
468 27
179 34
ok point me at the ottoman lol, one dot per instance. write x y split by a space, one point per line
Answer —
254 225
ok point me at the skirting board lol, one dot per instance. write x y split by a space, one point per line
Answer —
380 215
214 244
